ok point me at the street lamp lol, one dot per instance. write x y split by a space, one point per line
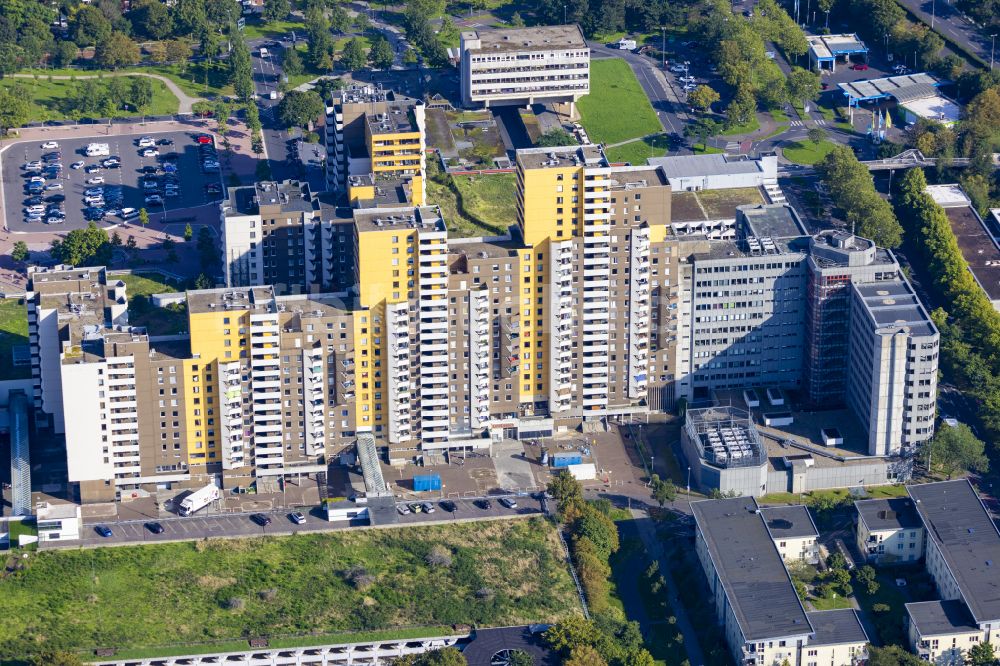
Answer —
689 480
564 14
993 43
663 46
933 6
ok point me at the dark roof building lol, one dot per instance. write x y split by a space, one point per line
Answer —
896 513
789 522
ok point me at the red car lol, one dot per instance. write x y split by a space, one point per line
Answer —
204 138
860 66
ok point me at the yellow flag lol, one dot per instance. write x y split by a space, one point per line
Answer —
888 120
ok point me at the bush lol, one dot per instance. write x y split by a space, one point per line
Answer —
439 556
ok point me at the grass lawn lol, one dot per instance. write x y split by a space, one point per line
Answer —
638 151
613 87
257 29
54 100
201 79
806 152
745 128
779 116
489 199
17 528
830 603
705 149
287 588
13 333
141 312
889 622
443 190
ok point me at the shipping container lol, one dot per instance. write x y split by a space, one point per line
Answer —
423 482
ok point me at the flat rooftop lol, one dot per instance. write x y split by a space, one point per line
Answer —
561 157
727 249
716 164
789 522
483 249
958 523
310 307
892 304
978 248
384 219
771 221
239 298
538 38
288 196
394 119
627 178
937 108
750 569
902 88
947 195
941 618
829 46
836 627
711 205
894 513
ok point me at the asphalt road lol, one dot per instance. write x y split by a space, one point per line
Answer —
207 525
952 25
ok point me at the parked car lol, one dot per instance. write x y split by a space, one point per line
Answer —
103 530
150 152
77 165
52 157
508 502
261 519
55 219
146 142
402 509
50 145
416 507
54 186
428 507
32 201
484 503
34 165
34 209
297 517
449 506
165 142
93 168
203 139
96 180
56 198
155 528
859 66
679 69
110 162
154 199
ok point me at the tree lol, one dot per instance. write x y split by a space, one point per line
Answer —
276 10
20 251
143 217
555 138
292 63
954 449
866 576
64 53
362 24
742 107
663 490
15 109
892 655
89 26
816 134
982 654
188 232
116 51
702 98
802 85
572 632
116 239
298 108
150 18
702 129
448 656
564 488
177 50
353 57
140 93
584 655
83 247
381 56
520 658
207 253
340 20
203 282
321 51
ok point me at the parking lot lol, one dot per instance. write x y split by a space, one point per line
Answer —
179 162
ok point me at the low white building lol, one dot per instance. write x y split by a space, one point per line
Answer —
717 171
889 531
793 531
59 522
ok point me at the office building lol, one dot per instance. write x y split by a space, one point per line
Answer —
962 556
375 141
755 602
524 66
889 531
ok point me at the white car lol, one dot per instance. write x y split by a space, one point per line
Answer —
34 209
154 199
33 166
146 142
50 145
687 79
150 152
688 87
96 180
36 179
93 200
679 69
54 220
93 191
54 186
77 165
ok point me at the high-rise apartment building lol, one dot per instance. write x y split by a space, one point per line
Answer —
524 66
375 141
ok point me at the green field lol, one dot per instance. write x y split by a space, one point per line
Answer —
616 109
13 332
196 79
484 196
141 312
257 29
53 100
746 128
806 152
146 598
489 199
638 151
704 149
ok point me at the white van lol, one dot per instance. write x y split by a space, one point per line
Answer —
128 213
98 150
263 52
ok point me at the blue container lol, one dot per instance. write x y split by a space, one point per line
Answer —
422 482
565 459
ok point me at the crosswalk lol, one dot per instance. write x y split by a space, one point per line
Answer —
798 123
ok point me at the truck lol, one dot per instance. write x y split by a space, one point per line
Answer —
199 499
98 150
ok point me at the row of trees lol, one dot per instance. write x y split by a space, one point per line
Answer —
609 16
852 190
970 327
